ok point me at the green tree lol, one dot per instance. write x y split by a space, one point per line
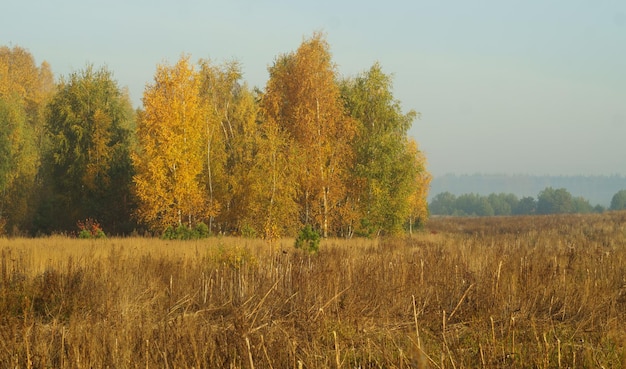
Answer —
18 162
581 205
618 202
386 165
443 203
24 91
89 123
473 205
526 206
554 201
502 204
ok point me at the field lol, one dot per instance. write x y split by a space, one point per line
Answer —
536 292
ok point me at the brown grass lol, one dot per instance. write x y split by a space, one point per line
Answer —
540 292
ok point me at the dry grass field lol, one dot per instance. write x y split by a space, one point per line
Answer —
534 292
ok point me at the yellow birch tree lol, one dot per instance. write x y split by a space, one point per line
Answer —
303 98
418 200
169 180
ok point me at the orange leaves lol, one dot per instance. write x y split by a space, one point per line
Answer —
274 161
303 98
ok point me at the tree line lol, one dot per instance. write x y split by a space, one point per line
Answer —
311 148
548 201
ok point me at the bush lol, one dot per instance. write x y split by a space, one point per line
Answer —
247 231
308 239
90 228
202 230
183 232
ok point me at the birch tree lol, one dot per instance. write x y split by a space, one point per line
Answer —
169 181
303 98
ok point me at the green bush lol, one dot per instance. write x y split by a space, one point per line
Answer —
308 239
247 231
202 230
183 232
90 228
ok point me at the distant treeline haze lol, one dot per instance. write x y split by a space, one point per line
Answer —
205 149
549 201
596 189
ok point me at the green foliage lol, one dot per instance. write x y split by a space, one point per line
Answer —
618 202
551 201
248 231
90 228
202 230
308 239
183 232
384 163
581 205
88 167
19 161
526 205
443 204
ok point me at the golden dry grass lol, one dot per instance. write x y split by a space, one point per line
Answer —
537 292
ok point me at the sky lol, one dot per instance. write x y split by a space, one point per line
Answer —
502 86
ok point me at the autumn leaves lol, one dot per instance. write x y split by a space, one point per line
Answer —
309 150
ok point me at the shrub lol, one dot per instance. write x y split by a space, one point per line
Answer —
247 231
90 228
202 230
308 239
182 232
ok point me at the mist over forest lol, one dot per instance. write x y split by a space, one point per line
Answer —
597 189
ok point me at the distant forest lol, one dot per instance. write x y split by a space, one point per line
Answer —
598 190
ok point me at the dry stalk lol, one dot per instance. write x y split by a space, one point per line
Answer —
249 353
497 284
417 330
493 332
267 357
321 309
337 354
445 340
460 301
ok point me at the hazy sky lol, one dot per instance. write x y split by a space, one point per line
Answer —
519 87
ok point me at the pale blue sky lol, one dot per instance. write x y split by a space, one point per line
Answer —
519 87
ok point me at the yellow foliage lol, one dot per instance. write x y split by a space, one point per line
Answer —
418 199
169 167
304 100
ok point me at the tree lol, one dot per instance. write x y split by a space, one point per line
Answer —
172 134
443 203
89 124
388 166
551 201
302 99
218 86
503 204
473 205
274 209
526 206
24 91
418 200
618 202
580 205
